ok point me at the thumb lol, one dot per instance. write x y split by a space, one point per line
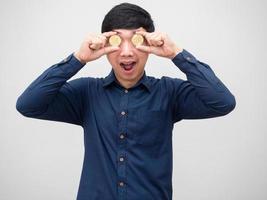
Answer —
107 50
147 49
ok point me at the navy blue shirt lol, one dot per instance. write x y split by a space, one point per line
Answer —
127 133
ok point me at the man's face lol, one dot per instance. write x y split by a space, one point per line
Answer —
128 62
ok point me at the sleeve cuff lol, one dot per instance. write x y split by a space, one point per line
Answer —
71 64
184 56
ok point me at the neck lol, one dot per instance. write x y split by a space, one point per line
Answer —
128 83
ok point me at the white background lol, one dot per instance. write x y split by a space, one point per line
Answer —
222 158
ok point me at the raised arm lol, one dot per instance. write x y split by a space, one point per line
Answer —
202 95
51 97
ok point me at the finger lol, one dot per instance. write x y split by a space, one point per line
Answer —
110 33
96 43
156 40
149 42
160 43
107 50
147 36
95 46
143 33
147 49
153 35
103 39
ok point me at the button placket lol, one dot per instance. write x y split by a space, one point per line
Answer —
121 154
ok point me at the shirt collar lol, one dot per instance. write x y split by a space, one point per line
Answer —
111 78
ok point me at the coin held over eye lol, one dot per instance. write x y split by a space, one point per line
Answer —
137 39
114 40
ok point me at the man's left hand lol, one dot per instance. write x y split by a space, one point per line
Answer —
159 44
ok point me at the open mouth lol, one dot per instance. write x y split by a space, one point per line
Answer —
127 66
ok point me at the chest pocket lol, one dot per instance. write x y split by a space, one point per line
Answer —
150 127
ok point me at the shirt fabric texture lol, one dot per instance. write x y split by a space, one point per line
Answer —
127 133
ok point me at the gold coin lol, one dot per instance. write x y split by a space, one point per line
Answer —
114 40
137 39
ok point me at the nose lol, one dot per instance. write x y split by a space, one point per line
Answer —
126 49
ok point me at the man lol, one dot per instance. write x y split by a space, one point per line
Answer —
127 117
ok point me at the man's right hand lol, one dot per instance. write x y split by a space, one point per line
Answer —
94 46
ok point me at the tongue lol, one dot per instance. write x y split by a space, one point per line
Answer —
128 67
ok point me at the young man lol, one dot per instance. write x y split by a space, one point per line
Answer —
127 117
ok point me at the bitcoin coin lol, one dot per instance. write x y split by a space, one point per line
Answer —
114 40
137 39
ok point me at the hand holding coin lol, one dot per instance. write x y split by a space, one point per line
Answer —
159 43
94 46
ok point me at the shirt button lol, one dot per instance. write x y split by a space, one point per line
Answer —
121 159
188 58
121 136
123 112
126 91
121 183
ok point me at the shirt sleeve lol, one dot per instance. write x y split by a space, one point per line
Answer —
202 95
51 97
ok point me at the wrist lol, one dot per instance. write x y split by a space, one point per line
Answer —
176 51
76 55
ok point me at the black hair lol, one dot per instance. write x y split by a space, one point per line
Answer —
127 16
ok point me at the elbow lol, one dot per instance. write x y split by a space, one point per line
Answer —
27 109
20 107
23 108
229 105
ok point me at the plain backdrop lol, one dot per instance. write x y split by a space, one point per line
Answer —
222 158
